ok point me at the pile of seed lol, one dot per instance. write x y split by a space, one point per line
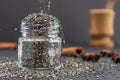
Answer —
38 24
11 69
72 69
38 18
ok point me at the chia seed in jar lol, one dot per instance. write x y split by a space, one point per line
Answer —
40 44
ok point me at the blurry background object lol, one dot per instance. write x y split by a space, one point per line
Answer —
110 4
8 45
102 23
102 26
73 14
73 51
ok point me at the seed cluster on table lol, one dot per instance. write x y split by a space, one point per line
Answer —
71 69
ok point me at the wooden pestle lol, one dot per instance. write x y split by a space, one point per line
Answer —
110 4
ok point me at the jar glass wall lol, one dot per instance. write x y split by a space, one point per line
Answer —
40 48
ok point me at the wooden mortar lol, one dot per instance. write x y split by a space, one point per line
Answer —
102 27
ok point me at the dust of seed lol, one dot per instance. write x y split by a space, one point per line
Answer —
71 69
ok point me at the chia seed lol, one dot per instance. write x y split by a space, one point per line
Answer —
73 69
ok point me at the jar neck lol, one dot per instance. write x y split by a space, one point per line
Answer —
29 30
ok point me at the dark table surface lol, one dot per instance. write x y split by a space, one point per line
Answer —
107 74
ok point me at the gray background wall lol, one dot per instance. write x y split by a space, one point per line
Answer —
72 13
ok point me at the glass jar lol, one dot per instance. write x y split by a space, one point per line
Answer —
40 48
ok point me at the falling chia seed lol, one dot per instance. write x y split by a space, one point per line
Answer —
45 5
